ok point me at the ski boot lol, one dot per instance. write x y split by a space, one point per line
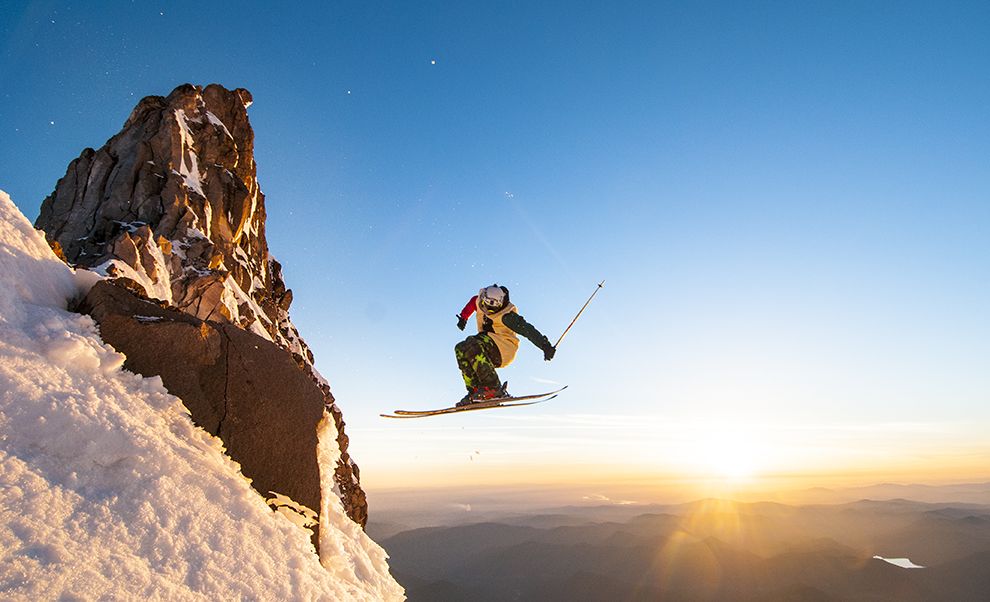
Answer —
481 394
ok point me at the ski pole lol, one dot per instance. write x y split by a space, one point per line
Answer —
600 285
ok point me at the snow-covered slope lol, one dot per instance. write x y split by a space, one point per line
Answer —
108 490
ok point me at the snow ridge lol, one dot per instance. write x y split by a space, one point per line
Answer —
107 488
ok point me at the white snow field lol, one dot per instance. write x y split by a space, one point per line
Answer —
108 490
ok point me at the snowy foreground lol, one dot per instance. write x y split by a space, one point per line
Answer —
107 488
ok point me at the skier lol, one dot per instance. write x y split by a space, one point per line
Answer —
495 345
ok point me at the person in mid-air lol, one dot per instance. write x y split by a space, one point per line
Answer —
495 345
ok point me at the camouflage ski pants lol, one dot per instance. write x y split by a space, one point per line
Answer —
477 357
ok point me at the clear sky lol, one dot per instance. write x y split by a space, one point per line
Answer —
789 200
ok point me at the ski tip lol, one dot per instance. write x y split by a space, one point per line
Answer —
400 416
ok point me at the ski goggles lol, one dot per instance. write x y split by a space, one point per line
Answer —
490 303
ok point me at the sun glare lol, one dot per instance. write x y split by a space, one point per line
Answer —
729 454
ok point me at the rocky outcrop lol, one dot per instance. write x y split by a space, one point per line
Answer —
171 208
172 202
237 386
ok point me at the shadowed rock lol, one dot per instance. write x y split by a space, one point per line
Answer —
237 386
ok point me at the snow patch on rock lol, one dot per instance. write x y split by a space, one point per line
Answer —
190 173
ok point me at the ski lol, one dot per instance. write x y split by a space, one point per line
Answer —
475 406
488 402
498 402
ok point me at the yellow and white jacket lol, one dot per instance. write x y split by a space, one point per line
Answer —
503 327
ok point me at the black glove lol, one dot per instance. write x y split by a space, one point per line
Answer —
461 322
549 352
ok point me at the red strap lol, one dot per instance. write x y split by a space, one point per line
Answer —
469 308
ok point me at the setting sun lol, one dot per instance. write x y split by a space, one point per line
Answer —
730 454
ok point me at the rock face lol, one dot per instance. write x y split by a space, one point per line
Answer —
237 385
170 208
172 202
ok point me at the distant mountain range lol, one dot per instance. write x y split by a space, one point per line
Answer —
961 493
706 550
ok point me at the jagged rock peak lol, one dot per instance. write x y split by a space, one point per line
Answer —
172 204
170 208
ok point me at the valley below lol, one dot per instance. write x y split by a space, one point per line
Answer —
711 549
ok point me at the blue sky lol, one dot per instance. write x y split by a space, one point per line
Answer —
789 202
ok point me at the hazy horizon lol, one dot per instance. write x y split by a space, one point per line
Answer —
575 449
460 501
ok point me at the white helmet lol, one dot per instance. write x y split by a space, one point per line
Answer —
493 298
